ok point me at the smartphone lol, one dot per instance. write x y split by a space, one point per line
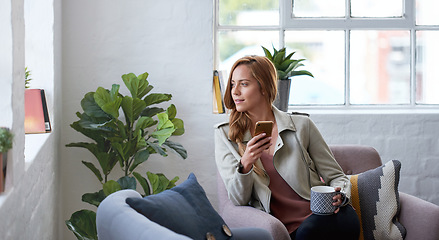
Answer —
264 127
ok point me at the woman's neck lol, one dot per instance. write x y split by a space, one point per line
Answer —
263 114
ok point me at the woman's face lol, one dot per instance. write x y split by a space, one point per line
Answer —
245 90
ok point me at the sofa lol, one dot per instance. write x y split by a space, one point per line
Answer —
419 218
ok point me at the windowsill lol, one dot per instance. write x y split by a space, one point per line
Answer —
33 145
3 197
370 109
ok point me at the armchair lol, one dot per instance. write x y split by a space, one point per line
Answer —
116 220
419 217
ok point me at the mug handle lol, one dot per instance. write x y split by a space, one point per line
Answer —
345 199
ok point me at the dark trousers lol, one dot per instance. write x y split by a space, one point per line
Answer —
343 225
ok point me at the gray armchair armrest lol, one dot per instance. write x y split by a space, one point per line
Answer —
233 216
248 217
116 220
419 217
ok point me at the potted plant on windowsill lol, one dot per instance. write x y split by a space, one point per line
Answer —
126 141
286 69
6 138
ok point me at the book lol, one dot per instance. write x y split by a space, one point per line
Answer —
45 112
36 116
218 104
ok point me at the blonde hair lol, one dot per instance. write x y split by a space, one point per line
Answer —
264 71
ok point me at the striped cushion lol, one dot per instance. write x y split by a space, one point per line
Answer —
375 198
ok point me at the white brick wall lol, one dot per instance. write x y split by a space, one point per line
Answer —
29 209
412 139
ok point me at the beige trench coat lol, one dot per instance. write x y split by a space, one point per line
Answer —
301 157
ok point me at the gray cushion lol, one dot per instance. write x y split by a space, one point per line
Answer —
184 209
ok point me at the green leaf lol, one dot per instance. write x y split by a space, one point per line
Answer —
155 182
294 65
91 108
290 55
176 147
162 135
92 123
145 122
127 182
284 66
155 98
151 112
95 134
105 159
114 92
132 108
143 183
83 224
139 158
179 127
164 121
172 182
92 167
110 103
111 187
279 58
267 53
94 198
138 86
282 75
159 182
171 112
155 148
120 151
302 72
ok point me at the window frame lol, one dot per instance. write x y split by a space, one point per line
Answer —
288 22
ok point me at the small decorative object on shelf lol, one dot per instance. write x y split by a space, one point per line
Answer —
36 115
218 93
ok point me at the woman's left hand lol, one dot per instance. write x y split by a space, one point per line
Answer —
338 199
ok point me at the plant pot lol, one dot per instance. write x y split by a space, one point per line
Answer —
2 176
283 94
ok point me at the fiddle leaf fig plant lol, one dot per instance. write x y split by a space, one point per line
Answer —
285 66
125 131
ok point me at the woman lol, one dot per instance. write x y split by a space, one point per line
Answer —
275 174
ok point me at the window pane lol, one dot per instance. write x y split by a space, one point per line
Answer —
427 71
236 44
377 8
380 67
324 53
319 8
249 12
426 12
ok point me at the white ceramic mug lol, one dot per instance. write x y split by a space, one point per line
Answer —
321 200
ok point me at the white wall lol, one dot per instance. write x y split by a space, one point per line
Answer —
172 40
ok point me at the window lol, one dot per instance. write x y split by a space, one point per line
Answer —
364 52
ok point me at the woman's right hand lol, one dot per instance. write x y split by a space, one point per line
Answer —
254 150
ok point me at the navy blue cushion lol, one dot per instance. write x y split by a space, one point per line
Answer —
184 209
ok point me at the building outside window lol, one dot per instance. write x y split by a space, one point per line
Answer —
364 52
